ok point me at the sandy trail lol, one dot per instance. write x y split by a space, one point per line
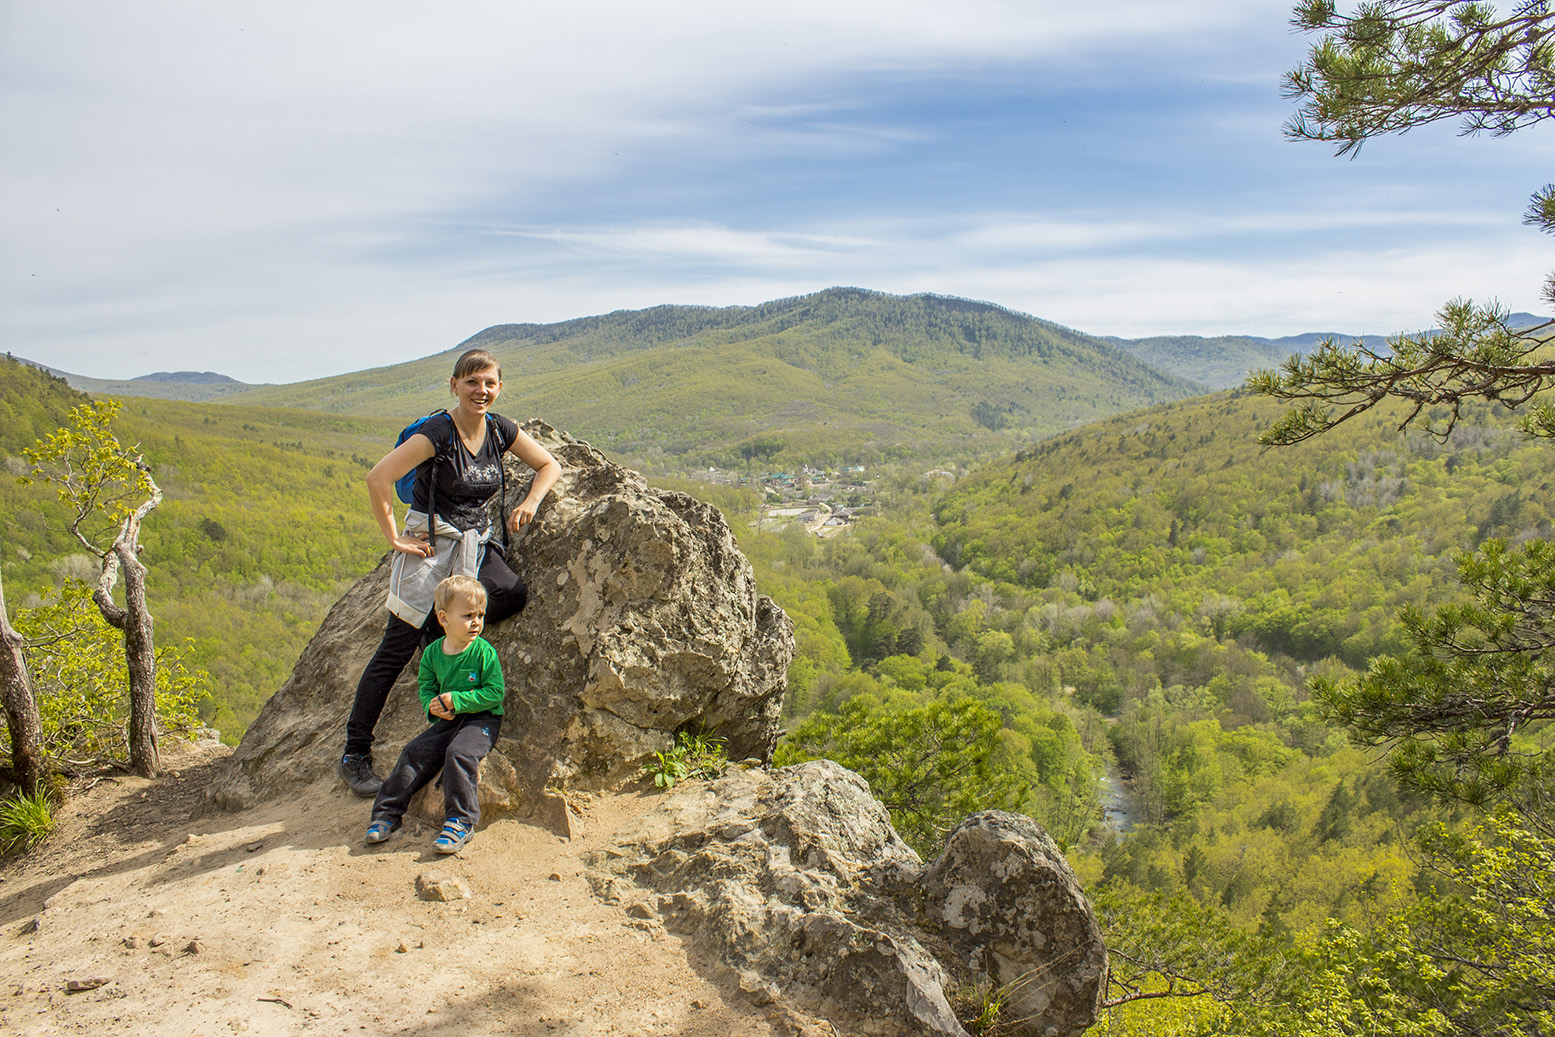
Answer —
279 921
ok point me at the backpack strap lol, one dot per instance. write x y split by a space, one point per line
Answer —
437 451
494 430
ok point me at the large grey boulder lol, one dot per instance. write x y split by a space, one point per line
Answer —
795 883
643 618
1005 899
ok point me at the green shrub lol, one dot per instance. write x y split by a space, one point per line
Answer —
81 681
26 819
692 756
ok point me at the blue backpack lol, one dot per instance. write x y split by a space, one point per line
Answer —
405 485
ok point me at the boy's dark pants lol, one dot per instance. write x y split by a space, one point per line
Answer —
505 596
455 747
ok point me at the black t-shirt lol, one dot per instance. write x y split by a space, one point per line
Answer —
466 482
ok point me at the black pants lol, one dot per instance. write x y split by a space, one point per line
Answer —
505 595
455 747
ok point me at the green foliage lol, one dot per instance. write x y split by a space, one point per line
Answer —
98 480
1168 946
693 756
26 819
263 524
1308 556
1475 954
1465 710
1397 64
33 403
929 765
80 679
980 1007
1475 353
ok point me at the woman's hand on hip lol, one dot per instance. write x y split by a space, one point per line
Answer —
417 545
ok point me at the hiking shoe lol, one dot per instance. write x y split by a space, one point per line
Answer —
454 835
356 770
379 831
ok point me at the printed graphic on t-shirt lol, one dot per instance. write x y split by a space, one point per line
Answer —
465 482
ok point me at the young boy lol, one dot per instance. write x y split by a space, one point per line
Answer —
462 692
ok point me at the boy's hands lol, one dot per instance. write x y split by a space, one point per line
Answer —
442 706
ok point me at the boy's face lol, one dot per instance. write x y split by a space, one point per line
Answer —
463 619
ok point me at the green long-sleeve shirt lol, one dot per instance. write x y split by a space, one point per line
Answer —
473 677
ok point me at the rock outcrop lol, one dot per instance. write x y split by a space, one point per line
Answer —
795 881
643 619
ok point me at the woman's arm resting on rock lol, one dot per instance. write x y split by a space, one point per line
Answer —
546 472
380 491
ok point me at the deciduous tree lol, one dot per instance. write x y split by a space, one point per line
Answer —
109 491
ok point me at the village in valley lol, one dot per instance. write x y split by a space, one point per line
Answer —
825 502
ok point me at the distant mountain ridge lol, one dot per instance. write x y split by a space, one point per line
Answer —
161 385
1224 361
841 372
187 378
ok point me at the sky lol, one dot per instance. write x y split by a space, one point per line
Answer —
284 190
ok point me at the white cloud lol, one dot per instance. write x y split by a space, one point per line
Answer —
286 190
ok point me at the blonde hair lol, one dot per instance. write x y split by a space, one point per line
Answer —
474 360
458 584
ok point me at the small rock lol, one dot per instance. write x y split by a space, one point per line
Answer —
195 947
403 948
193 840
699 1004
159 939
75 986
254 847
132 942
437 885
556 876
756 989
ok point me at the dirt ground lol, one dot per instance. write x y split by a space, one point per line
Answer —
280 921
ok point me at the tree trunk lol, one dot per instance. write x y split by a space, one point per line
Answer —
28 767
141 661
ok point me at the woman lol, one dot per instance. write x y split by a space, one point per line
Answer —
457 456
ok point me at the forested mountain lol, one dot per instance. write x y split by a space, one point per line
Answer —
1310 549
841 376
1223 361
162 385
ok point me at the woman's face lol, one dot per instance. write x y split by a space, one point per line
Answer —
477 390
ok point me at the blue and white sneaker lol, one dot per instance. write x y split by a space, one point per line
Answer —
453 837
379 831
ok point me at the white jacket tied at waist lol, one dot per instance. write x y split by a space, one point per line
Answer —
412 578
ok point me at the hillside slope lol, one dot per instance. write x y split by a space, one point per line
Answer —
1311 548
840 375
